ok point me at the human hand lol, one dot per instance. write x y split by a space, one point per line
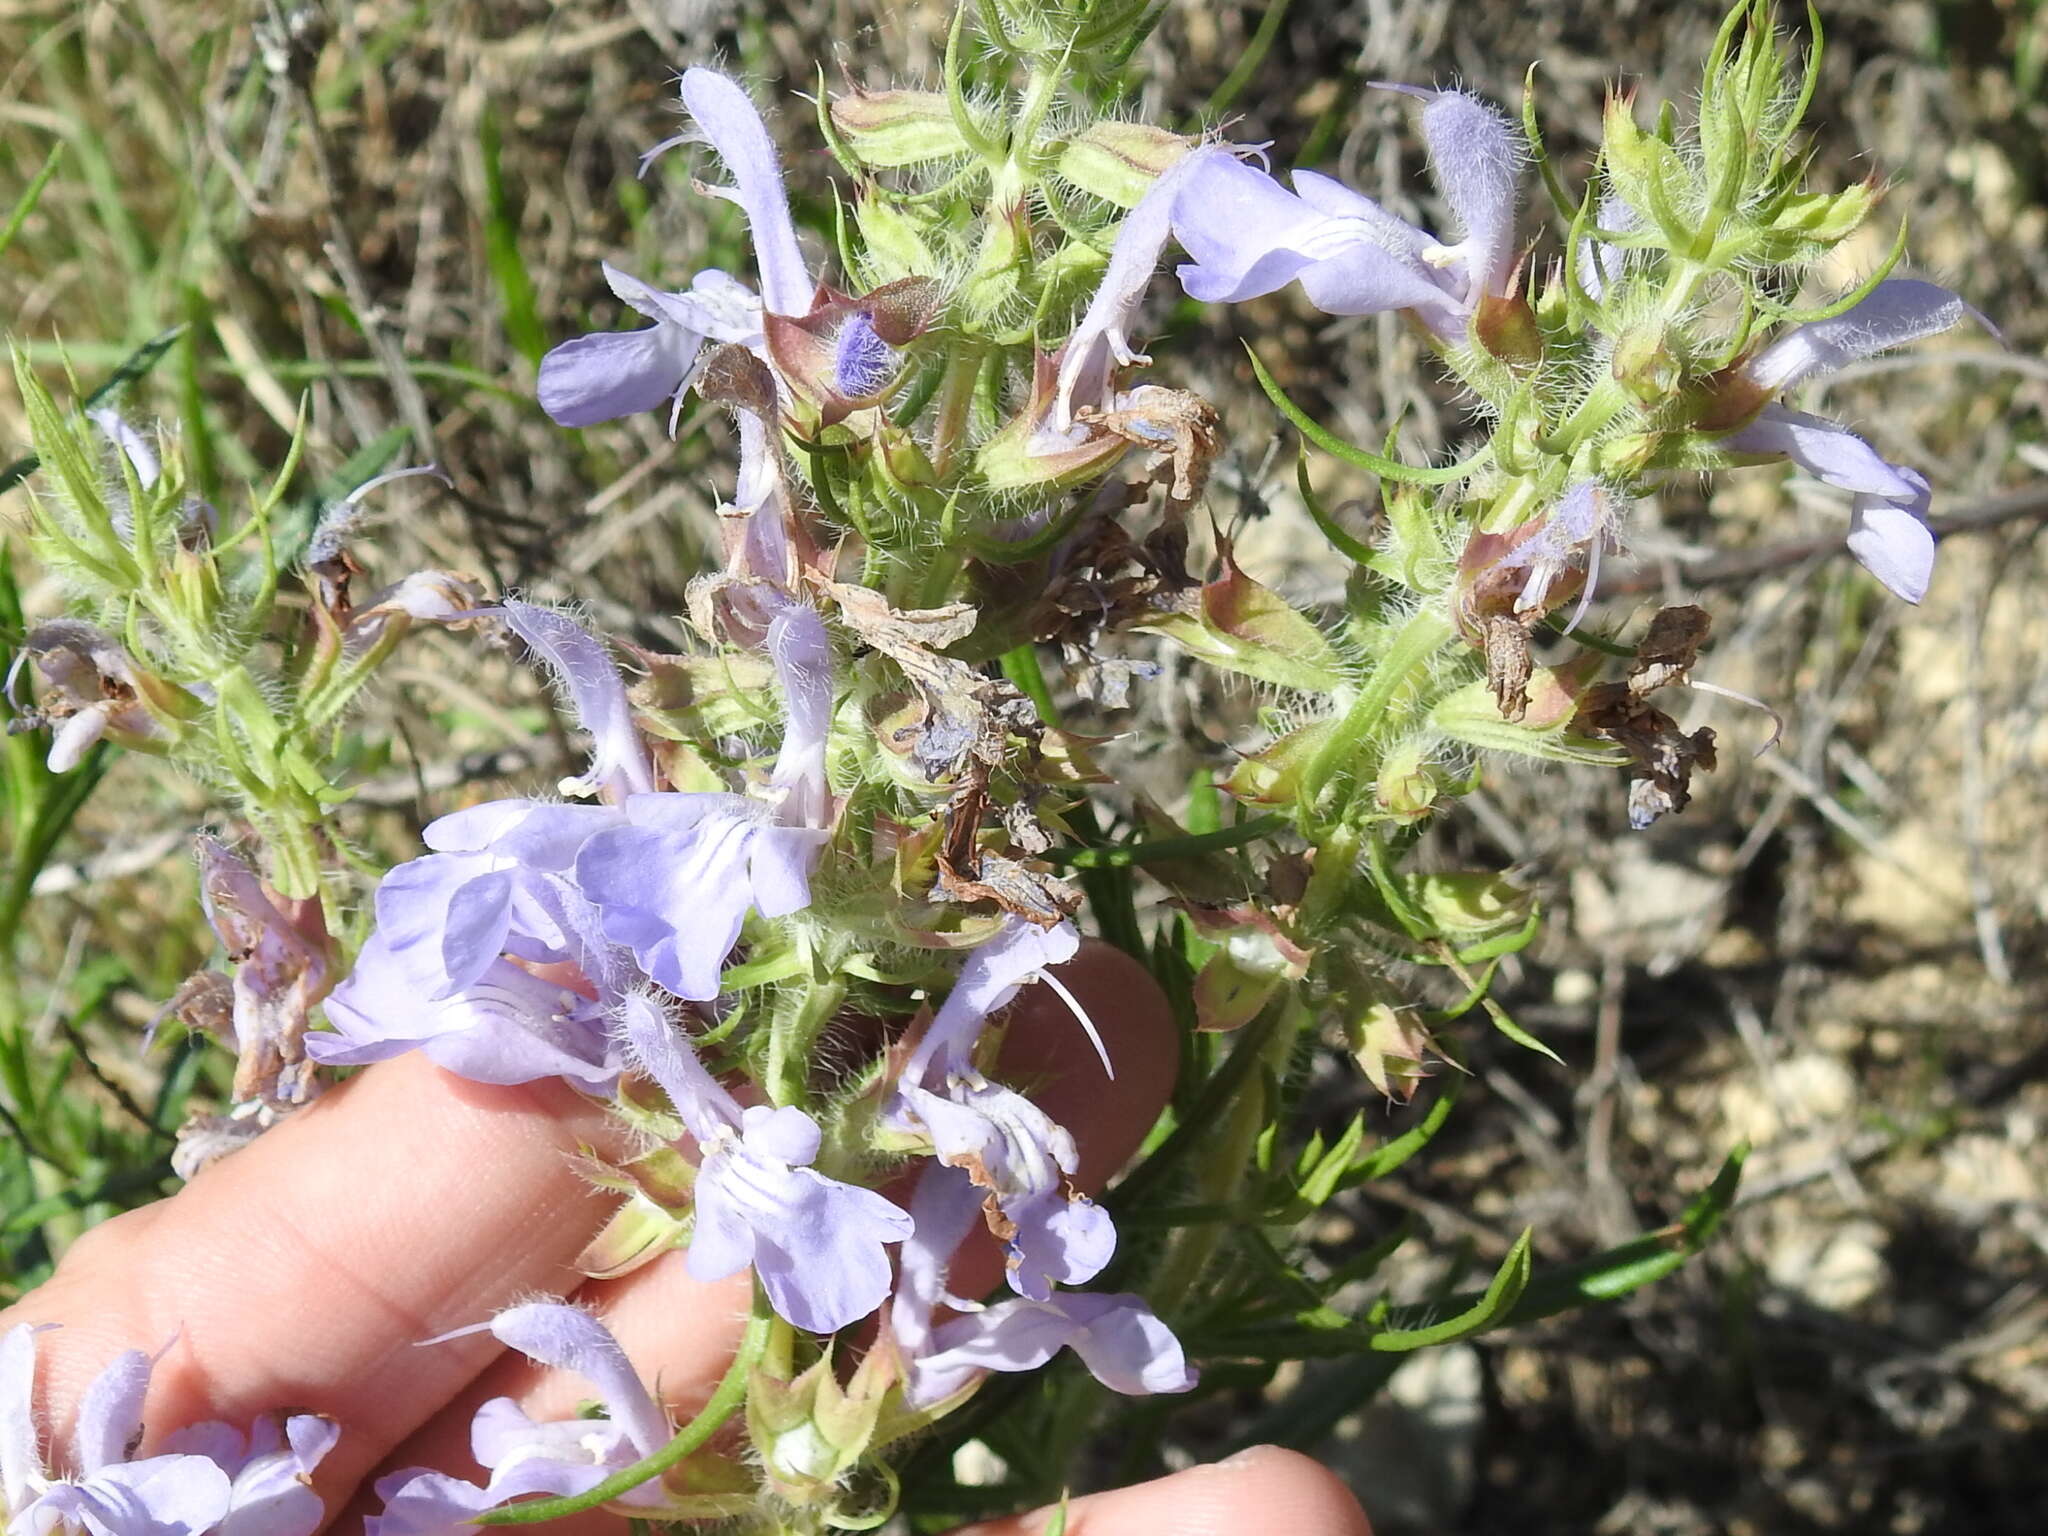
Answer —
303 1273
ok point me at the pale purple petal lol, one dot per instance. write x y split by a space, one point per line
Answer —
1897 311
609 374
733 126
990 978
1120 1340
422 1503
271 1496
1475 153
222 1444
1893 542
662 1051
779 868
77 736
478 922
1823 449
1061 1240
944 1207
110 1414
1101 341
539 834
1249 235
1601 265
784 1133
158 1496
582 668
802 654
136 448
819 1245
675 883
1394 235
476 828
572 1340
21 1464
506 1026
1366 280
1126 1347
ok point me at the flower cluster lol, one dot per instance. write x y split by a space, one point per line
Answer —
204 1480
782 923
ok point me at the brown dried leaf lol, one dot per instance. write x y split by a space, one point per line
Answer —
1669 648
1508 666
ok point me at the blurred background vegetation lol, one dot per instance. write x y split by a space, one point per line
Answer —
392 209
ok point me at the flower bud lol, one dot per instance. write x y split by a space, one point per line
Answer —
892 241
1255 959
1390 1046
1409 785
886 130
1274 777
1241 626
811 1432
1470 908
1118 162
1645 366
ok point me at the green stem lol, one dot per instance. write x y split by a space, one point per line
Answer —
792 1037
1419 640
1225 1162
956 406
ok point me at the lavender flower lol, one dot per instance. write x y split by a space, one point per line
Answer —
817 1245
582 670
1011 1148
208 1479
1250 236
1888 531
280 964
1121 1340
527 1457
675 879
609 374
97 690
1101 343
449 969
271 1467
457 930
619 373
506 1026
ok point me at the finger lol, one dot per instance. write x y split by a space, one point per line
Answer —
302 1272
1263 1489
682 1332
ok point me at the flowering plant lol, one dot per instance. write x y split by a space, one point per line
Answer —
825 866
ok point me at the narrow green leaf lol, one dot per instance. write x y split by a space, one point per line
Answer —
26 203
1329 442
1492 1308
501 249
1153 850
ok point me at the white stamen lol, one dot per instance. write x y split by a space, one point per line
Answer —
1777 720
1073 1003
